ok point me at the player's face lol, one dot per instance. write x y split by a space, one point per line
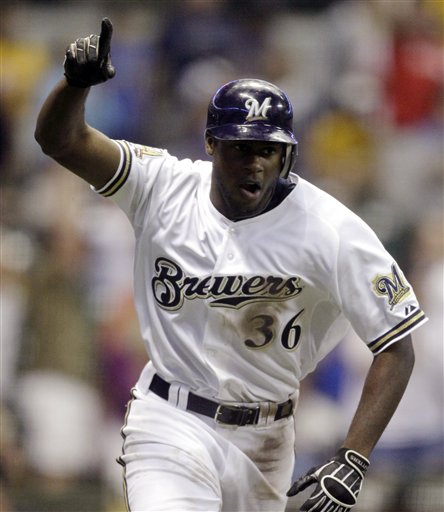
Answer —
244 176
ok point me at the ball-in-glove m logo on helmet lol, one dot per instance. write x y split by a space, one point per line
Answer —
257 111
252 109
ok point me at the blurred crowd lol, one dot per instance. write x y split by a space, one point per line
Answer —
366 81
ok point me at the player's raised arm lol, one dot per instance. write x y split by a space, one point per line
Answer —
61 129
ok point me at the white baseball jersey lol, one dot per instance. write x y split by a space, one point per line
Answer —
242 311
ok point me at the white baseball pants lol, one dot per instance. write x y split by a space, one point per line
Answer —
178 461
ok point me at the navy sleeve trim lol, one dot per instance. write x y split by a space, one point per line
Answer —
400 330
122 174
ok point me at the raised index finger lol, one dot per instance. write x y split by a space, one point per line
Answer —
105 38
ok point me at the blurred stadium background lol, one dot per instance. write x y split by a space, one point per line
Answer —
366 82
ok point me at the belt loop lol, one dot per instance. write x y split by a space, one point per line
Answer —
173 393
146 377
270 409
264 413
178 395
182 398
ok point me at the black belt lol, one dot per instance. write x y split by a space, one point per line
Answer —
222 413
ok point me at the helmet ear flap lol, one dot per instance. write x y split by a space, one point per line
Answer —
288 159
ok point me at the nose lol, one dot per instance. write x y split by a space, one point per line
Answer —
253 162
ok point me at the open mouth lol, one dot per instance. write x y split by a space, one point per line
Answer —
251 189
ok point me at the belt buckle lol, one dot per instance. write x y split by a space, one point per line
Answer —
218 414
244 415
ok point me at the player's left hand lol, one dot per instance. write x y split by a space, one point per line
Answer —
88 61
339 482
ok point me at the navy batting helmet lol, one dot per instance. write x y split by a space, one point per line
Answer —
252 109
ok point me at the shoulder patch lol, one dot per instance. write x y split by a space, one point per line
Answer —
392 287
142 151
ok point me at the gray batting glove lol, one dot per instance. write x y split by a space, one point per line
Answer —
338 481
88 61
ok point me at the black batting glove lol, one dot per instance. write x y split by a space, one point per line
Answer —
88 61
338 481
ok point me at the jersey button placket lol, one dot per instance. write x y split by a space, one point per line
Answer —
230 254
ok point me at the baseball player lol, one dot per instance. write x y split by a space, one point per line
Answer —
246 276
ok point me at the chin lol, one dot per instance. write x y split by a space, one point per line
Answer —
247 213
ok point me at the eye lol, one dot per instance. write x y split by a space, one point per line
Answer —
241 147
271 150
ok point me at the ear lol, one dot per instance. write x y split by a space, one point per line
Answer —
209 145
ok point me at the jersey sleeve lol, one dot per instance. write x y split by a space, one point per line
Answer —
374 293
141 168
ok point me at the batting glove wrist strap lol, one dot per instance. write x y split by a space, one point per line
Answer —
338 481
88 61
